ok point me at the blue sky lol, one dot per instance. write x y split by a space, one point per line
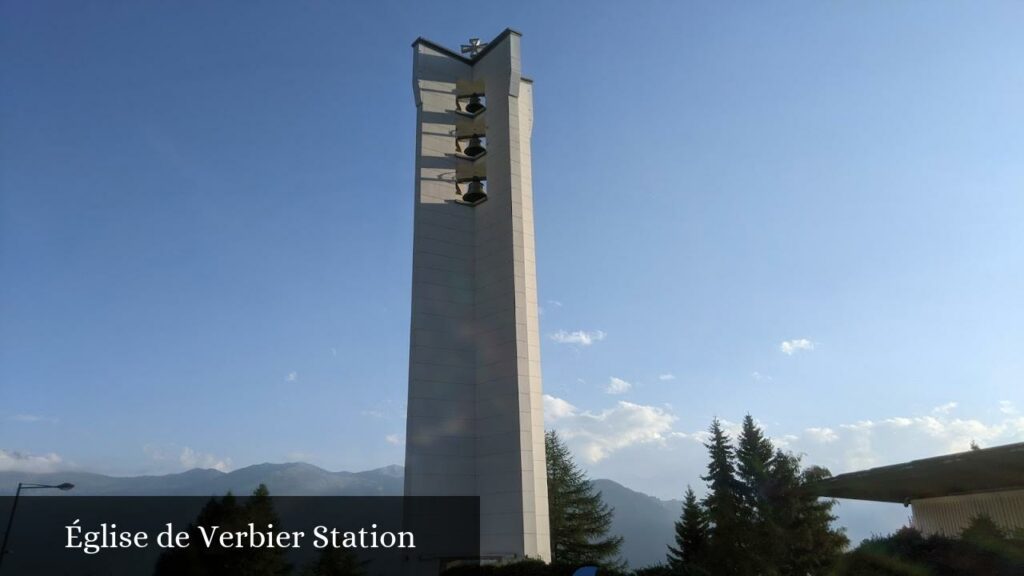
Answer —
205 229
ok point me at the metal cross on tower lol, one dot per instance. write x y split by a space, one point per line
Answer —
474 47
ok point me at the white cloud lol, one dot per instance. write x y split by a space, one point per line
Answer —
786 440
300 456
189 459
555 303
842 447
32 418
869 443
555 408
617 386
395 439
292 377
598 435
1007 407
790 347
186 458
578 337
666 377
386 410
822 435
758 377
641 447
14 461
628 442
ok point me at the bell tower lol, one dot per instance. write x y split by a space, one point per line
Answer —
475 423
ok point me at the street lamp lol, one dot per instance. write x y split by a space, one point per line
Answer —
14 506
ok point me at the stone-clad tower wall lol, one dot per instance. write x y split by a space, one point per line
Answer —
475 415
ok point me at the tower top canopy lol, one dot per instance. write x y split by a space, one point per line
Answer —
474 50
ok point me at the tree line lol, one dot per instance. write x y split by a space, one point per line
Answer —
758 517
232 515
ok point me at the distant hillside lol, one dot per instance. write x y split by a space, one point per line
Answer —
644 521
291 479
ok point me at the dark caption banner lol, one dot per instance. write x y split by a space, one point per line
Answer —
280 535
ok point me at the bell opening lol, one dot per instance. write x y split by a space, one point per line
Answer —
475 193
475 148
475 105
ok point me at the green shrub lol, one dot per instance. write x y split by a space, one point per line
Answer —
982 549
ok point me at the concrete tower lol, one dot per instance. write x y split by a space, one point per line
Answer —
475 418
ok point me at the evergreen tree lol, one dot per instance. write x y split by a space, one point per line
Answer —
804 541
259 510
198 560
817 545
687 556
727 554
335 562
231 516
759 517
754 460
580 520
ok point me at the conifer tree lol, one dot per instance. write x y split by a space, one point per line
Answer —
580 520
761 519
686 558
807 542
259 510
727 554
335 562
754 460
230 515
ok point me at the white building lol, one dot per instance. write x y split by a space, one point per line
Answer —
475 422
945 493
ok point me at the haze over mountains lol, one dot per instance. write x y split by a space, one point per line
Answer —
290 479
645 522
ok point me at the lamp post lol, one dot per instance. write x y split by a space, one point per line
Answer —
14 506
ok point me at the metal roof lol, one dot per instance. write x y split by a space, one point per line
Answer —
457 56
985 470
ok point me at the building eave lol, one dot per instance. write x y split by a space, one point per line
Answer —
449 52
971 472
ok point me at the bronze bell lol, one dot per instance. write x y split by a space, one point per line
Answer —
475 148
475 193
475 105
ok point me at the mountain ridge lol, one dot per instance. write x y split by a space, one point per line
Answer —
645 522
